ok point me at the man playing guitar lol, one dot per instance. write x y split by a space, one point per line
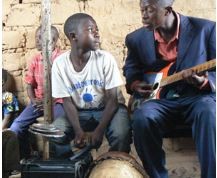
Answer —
168 37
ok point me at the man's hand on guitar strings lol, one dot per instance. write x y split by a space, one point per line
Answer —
144 89
196 79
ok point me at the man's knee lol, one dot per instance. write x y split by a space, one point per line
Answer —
207 119
142 118
206 114
205 106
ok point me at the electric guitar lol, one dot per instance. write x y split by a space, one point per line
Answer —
159 81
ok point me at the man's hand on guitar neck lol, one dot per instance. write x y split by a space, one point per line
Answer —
142 88
191 77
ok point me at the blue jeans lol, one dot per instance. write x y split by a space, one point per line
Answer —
21 125
152 119
118 132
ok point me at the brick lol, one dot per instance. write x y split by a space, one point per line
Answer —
11 61
31 1
6 9
24 15
18 84
19 50
59 16
23 63
186 5
13 39
30 38
204 14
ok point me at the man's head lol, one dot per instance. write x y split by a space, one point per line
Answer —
82 32
163 3
155 12
38 37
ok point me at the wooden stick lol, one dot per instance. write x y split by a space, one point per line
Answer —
46 53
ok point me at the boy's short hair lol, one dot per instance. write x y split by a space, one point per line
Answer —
72 22
4 75
54 31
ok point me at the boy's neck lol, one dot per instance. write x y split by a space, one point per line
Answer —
79 59
79 55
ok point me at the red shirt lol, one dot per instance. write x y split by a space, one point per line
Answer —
35 74
168 50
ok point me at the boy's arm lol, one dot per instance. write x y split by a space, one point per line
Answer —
72 115
30 80
37 103
30 92
108 113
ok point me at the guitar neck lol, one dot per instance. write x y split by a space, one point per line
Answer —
178 76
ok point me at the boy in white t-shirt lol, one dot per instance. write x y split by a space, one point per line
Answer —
87 79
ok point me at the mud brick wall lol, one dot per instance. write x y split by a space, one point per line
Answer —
115 18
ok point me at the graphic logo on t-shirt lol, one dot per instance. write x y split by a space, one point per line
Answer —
89 93
88 98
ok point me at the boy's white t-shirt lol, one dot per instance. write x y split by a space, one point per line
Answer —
87 87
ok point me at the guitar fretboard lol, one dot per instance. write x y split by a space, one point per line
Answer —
198 68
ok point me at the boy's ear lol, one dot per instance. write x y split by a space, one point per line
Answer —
72 35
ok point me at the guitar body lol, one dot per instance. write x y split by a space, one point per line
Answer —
136 99
161 79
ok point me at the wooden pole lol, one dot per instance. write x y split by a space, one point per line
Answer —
46 53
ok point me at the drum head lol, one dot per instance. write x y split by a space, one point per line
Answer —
116 165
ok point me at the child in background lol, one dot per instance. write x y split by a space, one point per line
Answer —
10 105
34 79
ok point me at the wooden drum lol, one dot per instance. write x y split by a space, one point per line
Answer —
116 165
